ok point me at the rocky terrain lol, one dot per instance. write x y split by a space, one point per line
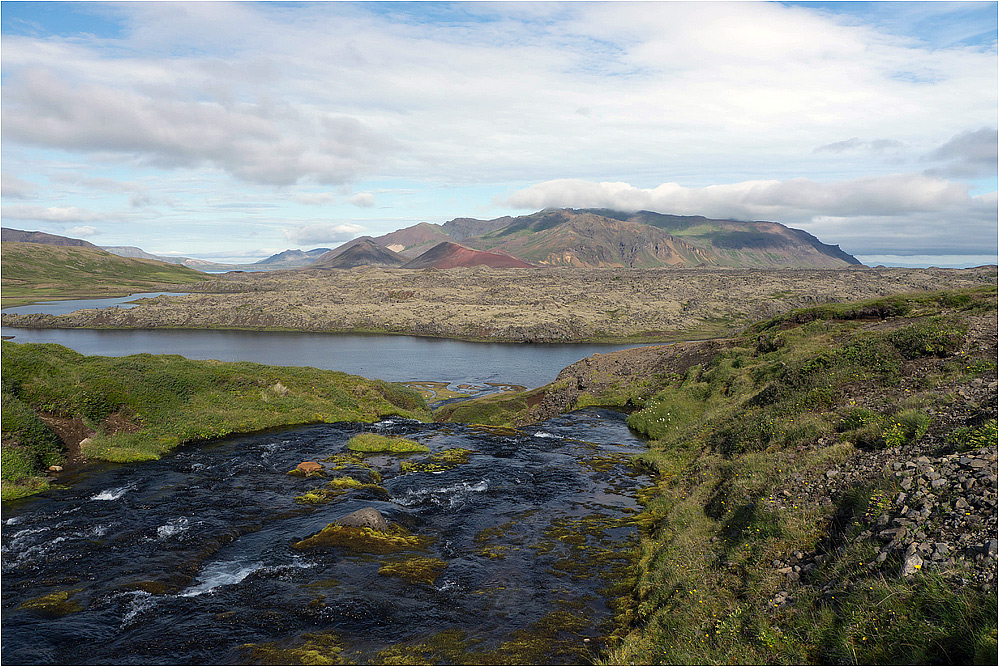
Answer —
539 305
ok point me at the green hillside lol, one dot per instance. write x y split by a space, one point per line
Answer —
138 407
32 271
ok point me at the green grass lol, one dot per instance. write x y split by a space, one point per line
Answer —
166 400
501 409
33 271
772 412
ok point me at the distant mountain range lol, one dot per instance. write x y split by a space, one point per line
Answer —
605 238
553 237
289 259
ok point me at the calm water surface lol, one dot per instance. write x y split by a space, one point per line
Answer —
392 358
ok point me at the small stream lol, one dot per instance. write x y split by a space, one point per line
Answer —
189 559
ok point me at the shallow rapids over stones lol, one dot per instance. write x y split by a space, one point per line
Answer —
524 541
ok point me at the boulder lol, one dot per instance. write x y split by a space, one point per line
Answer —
368 517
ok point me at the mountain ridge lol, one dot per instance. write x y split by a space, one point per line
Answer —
595 238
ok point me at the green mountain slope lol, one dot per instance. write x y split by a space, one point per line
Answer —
43 271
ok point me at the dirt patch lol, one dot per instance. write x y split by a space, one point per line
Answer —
72 431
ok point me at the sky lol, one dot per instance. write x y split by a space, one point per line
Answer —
232 131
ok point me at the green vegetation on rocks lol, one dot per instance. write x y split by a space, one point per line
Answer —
363 539
138 407
439 462
338 487
372 443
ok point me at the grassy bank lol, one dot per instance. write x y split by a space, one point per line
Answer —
37 271
138 407
737 443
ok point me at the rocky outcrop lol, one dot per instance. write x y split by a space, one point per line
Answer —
612 372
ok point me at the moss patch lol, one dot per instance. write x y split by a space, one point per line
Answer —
439 462
414 570
337 488
316 649
556 639
366 540
372 443
54 604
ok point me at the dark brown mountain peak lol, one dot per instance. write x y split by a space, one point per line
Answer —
449 255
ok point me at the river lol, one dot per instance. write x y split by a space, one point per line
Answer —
189 559
384 357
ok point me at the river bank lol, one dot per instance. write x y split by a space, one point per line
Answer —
825 484
560 305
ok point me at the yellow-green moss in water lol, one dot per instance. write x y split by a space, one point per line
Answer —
555 639
372 443
337 488
54 604
366 540
414 570
439 462
317 649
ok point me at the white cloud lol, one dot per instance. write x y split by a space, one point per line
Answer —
363 200
322 233
855 144
84 231
54 214
315 198
254 142
13 187
791 200
969 154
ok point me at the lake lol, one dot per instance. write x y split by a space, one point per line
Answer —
385 357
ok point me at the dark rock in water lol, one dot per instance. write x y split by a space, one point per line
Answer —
368 517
